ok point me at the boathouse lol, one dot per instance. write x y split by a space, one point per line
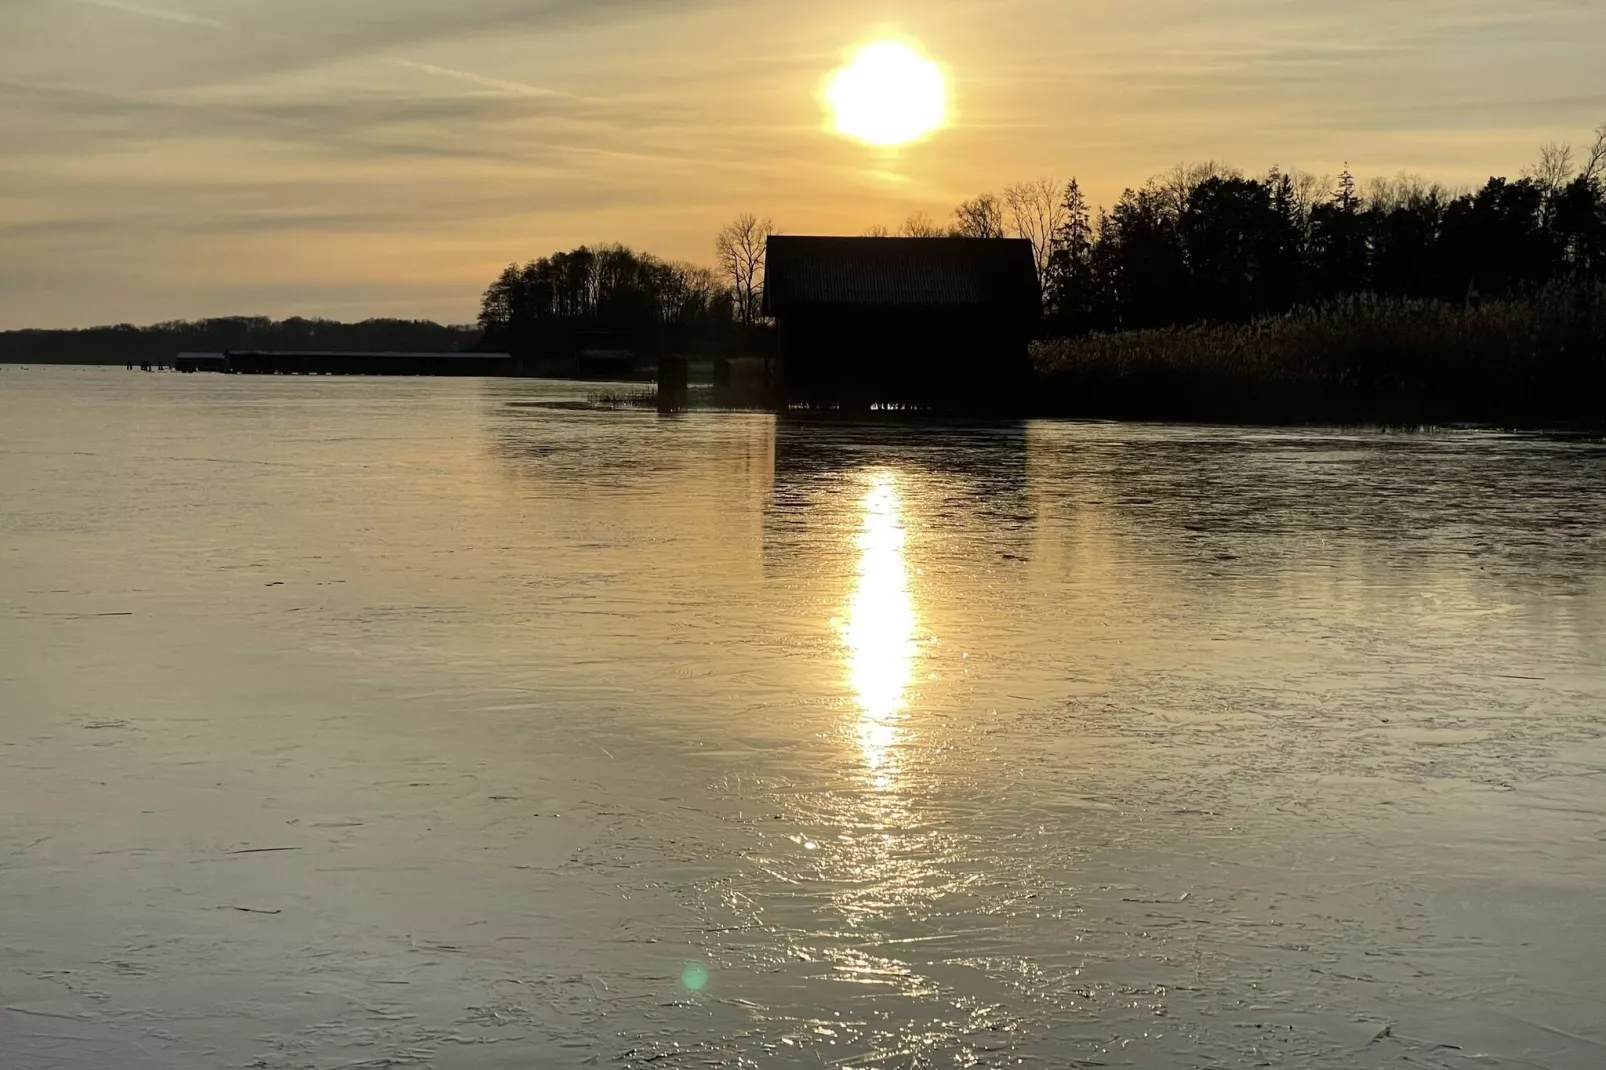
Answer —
923 322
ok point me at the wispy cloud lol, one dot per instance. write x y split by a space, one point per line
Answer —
481 80
275 38
163 14
285 150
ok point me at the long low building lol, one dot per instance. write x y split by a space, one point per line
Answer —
276 362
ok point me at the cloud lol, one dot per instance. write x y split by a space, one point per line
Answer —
531 127
155 13
480 79
282 37
158 156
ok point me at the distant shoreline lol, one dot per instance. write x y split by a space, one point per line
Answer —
1089 410
1532 362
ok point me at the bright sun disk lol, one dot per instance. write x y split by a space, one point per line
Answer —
889 95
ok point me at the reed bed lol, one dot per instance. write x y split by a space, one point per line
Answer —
1536 361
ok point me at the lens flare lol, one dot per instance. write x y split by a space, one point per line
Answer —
889 95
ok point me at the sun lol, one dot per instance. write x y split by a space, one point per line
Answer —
891 94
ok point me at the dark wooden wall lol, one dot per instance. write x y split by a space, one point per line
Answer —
955 360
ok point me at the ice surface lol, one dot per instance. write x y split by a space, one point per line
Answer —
377 723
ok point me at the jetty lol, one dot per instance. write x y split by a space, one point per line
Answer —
284 362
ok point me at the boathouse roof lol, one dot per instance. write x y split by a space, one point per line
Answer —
992 274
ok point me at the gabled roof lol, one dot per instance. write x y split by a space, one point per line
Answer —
989 273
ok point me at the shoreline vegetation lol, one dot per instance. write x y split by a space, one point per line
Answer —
1202 295
124 343
1534 361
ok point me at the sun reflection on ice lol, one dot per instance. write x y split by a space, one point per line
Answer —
880 631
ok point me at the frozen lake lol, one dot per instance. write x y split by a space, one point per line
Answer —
393 723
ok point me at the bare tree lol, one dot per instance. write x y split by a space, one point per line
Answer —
1381 195
921 225
1596 167
1554 169
691 288
740 248
1179 183
979 217
1416 191
1402 191
878 230
1036 212
1309 189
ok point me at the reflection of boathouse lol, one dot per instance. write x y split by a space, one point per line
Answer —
940 322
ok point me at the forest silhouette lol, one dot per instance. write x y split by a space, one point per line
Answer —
1202 244
159 342
1202 293
1209 294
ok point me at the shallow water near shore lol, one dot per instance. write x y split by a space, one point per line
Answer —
375 723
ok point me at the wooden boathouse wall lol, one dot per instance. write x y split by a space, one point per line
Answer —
940 323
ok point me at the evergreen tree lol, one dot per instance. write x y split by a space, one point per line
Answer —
1339 241
1070 286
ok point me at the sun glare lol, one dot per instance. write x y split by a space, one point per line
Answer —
880 633
889 95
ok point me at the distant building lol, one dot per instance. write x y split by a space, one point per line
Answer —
617 365
199 362
274 362
938 322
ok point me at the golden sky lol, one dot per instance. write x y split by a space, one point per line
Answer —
346 158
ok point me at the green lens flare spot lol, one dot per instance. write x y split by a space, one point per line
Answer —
694 976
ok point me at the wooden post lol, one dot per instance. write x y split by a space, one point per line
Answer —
673 374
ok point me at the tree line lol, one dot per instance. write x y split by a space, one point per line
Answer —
608 296
1199 244
1208 244
1202 244
125 342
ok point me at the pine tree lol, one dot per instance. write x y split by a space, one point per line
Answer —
1339 237
1345 199
1070 267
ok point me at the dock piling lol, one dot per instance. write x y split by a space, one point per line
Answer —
673 376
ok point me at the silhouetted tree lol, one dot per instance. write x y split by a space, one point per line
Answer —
1233 238
1595 166
1069 281
1140 258
1287 242
1339 241
1494 241
1176 186
502 299
609 295
921 225
740 248
1580 224
1405 234
1035 211
979 217
1551 174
